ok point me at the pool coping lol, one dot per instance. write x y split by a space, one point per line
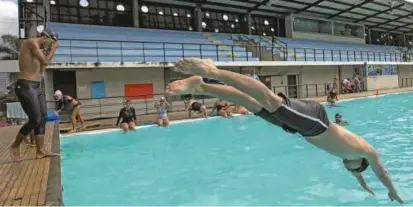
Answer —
201 119
54 190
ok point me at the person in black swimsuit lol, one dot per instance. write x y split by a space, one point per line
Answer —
305 117
128 116
223 108
339 120
332 97
192 105
64 101
32 63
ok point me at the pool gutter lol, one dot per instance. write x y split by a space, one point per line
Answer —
54 190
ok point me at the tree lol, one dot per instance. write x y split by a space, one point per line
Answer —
10 47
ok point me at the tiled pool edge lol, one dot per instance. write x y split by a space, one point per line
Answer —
54 184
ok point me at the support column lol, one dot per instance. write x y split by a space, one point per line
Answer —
198 18
46 8
369 33
404 40
135 12
249 22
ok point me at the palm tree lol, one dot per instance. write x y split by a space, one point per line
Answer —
10 47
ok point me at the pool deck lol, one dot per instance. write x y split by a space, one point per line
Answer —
30 182
37 182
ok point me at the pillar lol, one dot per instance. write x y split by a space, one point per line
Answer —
249 22
135 12
198 18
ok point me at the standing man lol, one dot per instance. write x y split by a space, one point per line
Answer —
251 73
32 62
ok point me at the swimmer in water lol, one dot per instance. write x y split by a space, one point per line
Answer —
32 62
307 118
339 120
192 105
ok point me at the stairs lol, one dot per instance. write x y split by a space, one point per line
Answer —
221 46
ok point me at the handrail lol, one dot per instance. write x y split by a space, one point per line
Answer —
222 51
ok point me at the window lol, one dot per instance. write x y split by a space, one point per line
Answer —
378 37
166 17
97 12
222 22
312 26
97 89
138 91
266 26
348 30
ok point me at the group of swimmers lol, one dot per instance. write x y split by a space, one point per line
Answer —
308 118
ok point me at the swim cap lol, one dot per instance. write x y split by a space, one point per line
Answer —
338 115
51 34
58 93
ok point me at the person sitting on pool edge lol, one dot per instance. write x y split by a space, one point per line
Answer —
192 105
162 112
128 116
222 108
307 118
63 102
339 120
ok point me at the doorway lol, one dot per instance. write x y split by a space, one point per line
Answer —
65 81
292 86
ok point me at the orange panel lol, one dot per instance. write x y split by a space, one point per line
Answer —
138 91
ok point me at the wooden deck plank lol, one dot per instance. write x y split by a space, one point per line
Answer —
24 182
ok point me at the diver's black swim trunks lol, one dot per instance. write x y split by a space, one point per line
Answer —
308 118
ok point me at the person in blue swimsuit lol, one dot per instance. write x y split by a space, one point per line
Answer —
161 107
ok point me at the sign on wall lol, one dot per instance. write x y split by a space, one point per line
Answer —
376 70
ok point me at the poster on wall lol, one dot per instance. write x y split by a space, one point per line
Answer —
375 70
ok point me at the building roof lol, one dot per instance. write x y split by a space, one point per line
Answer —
387 15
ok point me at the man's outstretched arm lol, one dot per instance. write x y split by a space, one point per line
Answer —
362 182
381 173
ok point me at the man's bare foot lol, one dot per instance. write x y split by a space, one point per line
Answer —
72 131
196 66
42 154
190 85
15 153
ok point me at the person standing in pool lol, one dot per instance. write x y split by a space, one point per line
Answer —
128 116
32 62
307 118
63 101
332 97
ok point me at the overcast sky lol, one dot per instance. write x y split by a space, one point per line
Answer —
8 17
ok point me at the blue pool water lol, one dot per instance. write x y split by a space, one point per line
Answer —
240 161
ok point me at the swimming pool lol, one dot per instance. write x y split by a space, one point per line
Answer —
239 161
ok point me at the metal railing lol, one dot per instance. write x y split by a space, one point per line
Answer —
109 107
139 51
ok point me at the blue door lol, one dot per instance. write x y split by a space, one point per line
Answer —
98 89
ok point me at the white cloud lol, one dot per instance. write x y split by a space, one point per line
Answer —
8 18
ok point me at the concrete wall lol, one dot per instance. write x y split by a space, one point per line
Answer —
382 82
115 79
326 37
9 66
